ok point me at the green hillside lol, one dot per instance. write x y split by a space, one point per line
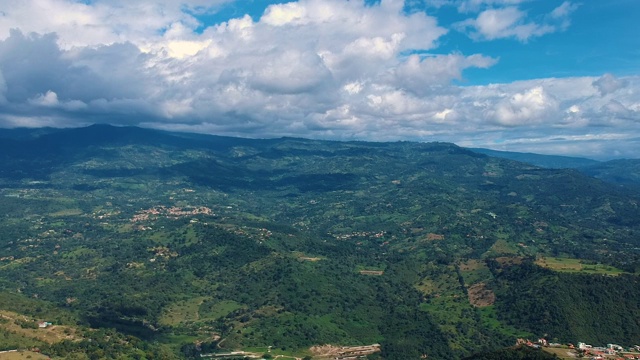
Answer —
545 161
624 172
182 244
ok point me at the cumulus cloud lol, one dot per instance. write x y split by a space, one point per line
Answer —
313 68
607 84
420 74
100 22
503 23
526 108
512 22
48 99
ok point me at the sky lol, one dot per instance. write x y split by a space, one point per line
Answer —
545 76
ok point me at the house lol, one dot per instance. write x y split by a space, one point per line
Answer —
44 324
583 346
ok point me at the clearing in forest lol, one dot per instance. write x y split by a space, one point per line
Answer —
54 333
372 272
576 266
480 295
199 308
562 353
182 311
21 355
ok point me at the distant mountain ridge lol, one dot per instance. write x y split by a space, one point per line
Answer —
545 161
625 172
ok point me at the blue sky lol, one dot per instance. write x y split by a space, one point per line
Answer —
602 39
546 76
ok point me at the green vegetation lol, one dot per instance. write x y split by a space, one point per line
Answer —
577 266
23 355
146 244
519 353
568 306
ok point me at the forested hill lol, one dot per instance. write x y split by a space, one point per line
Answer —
624 172
545 161
174 245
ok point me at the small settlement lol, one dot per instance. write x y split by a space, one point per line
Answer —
586 351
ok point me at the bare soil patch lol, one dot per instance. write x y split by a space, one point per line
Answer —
312 259
343 352
480 295
371 272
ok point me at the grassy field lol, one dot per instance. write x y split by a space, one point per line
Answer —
181 311
449 306
197 309
474 271
216 310
562 353
50 335
67 212
576 266
500 247
489 318
278 353
22 355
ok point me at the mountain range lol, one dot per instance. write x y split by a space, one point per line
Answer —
177 244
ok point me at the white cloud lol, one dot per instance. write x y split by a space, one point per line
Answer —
103 22
526 108
48 99
284 14
477 5
290 72
607 84
503 23
512 22
353 88
420 75
564 10
315 68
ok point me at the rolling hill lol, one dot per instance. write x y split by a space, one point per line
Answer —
203 244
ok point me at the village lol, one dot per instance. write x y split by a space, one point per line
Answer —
170 212
585 351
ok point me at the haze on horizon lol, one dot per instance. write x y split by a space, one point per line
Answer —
552 77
